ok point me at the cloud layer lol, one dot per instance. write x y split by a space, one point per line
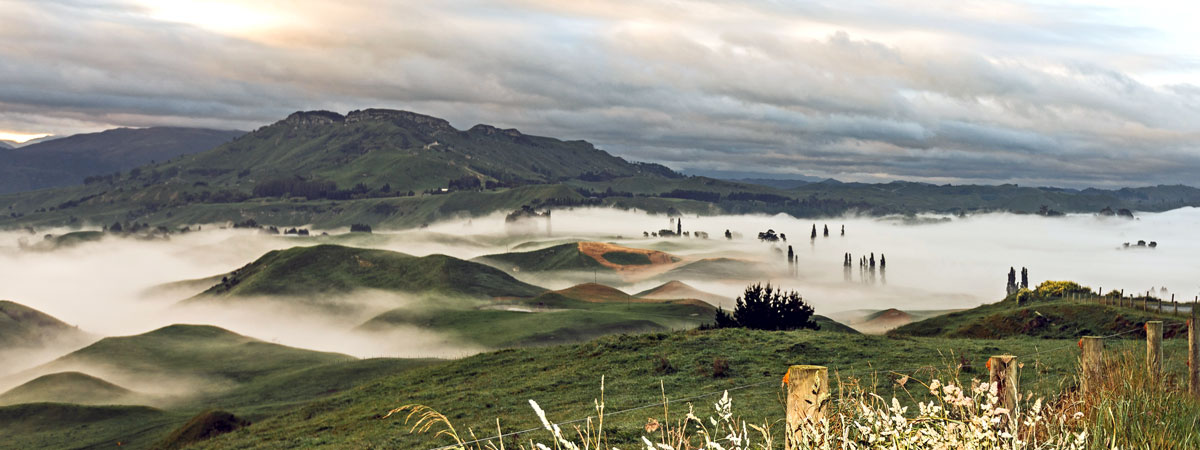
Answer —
1032 93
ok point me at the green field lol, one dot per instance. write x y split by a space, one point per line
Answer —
1055 318
473 392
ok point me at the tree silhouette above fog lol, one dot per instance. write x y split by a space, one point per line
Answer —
765 308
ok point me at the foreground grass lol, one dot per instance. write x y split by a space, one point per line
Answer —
473 392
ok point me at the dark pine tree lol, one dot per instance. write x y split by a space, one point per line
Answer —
814 231
1024 278
826 230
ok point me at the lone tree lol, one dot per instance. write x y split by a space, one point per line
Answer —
814 232
826 230
728 235
765 308
679 227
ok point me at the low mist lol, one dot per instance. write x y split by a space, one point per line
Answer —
115 286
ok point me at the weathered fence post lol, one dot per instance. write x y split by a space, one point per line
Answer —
1003 374
1092 362
1193 358
1154 352
807 394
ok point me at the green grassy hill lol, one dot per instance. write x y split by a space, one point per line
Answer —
473 392
330 269
67 161
189 351
25 327
558 257
58 425
71 387
330 170
575 314
1056 319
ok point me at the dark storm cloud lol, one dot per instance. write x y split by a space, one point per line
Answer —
961 91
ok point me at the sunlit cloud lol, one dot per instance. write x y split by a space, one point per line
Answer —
20 138
1065 93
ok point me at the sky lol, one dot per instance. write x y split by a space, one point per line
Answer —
1069 93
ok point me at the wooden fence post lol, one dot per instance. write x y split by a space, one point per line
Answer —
1154 352
1092 362
807 394
1193 359
1003 374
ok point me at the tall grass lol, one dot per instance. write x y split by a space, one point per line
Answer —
1131 410
1127 409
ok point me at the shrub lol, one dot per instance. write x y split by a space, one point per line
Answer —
360 228
720 367
1051 289
765 308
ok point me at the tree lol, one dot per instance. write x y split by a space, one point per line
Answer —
360 228
765 308
728 235
1011 288
679 227
814 231
1024 278
843 230
826 230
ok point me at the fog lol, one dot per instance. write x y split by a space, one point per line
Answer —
114 286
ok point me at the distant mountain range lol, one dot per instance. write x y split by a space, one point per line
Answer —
69 160
398 169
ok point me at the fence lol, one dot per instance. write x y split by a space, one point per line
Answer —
1145 302
807 386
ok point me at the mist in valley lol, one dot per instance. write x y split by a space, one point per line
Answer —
124 286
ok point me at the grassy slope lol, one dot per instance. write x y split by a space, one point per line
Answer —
325 269
22 326
575 314
474 391
69 387
1050 319
56 425
558 257
262 380
193 350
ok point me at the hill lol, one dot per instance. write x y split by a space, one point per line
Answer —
58 425
398 169
679 289
719 268
185 359
69 160
328 269
581 256
70 387
473 392
1054 319
574 314
22 327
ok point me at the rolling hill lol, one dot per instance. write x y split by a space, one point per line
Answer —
574 314
580 256
321 270
22 327
69 160
71 387
679 289
185 358
1053 319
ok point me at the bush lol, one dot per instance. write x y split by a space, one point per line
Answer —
720 368
764 308
360 228
1051 289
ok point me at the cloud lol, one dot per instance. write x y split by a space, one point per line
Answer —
1067 94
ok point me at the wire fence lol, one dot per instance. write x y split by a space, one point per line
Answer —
777 381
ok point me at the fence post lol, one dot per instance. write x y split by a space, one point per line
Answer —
1193 358
1092 362
807 394
1154 352
1003 374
